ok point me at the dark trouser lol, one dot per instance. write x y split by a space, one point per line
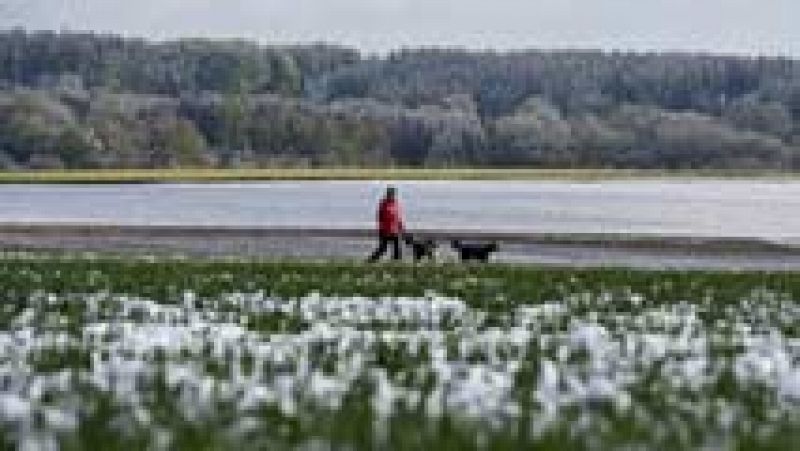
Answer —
383 244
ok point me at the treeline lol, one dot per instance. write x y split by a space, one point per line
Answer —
84 100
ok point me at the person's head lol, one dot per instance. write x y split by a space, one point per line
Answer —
391 192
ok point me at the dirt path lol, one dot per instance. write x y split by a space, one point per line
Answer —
568 250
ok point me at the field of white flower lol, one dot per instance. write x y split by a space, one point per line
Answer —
118 354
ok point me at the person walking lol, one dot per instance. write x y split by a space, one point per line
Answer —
390 226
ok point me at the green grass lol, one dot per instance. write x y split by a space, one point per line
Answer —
166 279
276 174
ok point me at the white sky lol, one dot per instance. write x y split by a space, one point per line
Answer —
767 27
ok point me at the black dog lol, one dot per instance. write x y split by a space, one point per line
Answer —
421 248
475 251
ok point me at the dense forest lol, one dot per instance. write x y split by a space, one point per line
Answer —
96 101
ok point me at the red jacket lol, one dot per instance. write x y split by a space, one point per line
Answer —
389 219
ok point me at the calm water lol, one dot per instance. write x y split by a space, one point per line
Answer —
703 208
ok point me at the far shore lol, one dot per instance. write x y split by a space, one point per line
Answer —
199 175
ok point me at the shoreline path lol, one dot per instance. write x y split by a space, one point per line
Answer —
579 250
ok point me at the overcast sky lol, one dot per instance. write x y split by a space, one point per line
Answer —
766 27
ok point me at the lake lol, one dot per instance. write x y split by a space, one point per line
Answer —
706 208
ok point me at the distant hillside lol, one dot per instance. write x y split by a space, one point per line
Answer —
83 100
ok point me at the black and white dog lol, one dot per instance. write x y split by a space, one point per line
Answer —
475 251
421 248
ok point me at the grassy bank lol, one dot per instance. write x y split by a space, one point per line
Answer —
233 175
131 353
167 279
